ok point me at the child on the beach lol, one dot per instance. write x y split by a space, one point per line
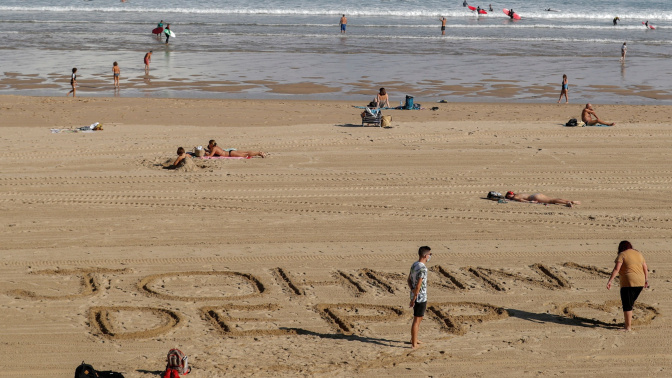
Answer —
73 83
116 71
181 155
147 60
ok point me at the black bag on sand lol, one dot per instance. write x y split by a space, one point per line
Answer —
572 122
85 371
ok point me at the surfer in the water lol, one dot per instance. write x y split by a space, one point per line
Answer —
167 32
491 8
343 23
464 4
443 25
616 19
511 13
478 9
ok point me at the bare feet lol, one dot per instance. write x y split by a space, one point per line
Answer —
262 154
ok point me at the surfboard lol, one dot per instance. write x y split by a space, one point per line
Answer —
157 31
650 26
172 33
482 11
516 16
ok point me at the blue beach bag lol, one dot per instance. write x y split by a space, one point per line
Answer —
409 102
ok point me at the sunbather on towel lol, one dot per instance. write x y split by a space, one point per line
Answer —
382 100
539 198
214 150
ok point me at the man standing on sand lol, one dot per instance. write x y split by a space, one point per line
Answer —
624 50
343 23
587 117
443 25
417 282
148 59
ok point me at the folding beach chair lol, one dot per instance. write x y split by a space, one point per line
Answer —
372 116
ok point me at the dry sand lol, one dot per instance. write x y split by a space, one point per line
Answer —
295 265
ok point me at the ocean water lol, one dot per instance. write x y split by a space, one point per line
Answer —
394 42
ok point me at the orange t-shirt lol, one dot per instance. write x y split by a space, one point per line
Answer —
632 271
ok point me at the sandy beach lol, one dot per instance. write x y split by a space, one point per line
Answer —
295 265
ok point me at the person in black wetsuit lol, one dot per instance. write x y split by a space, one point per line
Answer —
511 13
616 19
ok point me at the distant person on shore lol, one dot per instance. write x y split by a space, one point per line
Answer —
116 71
624 50
634 277
417 282
443 25
616 19
167 32
587 116
73 83
565 89
382 99
343 24
539 198
148 59
214 150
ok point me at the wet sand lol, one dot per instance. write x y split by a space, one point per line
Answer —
295 265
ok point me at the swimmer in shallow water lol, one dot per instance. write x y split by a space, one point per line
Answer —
539 198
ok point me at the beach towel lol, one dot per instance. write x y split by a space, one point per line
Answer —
224 157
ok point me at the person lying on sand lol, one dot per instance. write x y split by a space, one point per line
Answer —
214 150
587 117
539 198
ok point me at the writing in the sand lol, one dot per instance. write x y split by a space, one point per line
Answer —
236 318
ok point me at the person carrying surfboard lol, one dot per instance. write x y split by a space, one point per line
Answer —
511 13
491 8
167 32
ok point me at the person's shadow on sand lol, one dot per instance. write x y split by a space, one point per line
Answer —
337 336
559 319
153 372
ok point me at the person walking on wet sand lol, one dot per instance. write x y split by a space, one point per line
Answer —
624 50
417 282
73 83
343 24
634 277
565 89
443 25
539 198
587 117
148 59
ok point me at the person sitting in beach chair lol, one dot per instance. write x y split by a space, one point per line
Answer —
372 115
382 100
539 198
214 150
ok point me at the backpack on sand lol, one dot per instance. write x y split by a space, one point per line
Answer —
176 364
85 371
495 196
572 122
